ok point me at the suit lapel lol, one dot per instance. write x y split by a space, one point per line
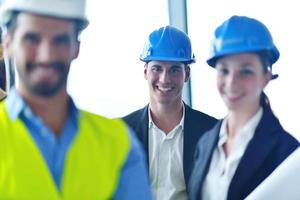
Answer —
205 147
143 131
256 153
195 125
189 142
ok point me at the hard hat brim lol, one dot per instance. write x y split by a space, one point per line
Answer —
170 59
273 52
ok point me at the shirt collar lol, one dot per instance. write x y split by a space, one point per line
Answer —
181 123
247 132
16 106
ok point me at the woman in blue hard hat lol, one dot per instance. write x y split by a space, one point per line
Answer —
168 128
249 143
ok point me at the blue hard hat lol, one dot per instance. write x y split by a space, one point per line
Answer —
240 34
168 44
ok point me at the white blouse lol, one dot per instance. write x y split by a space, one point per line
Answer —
222 169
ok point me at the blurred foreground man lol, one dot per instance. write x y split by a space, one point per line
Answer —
49 149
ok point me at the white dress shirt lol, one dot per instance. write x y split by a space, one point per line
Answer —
222 169
166 162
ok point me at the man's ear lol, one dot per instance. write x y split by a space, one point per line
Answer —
76 49
145 71
7 45
187 73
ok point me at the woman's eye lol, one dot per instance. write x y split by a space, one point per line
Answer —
246 72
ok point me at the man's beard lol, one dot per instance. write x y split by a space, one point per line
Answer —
45 89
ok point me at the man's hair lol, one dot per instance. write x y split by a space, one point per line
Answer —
12 25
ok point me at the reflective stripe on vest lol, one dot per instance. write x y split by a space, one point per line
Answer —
92 165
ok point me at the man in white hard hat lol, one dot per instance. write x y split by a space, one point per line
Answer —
49 149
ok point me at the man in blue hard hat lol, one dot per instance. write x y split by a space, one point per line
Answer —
167 127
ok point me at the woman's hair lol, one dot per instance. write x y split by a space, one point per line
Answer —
265 58
264 102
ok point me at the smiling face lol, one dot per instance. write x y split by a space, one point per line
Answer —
166 80
42 49
241 80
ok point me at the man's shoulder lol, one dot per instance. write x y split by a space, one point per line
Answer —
2 94
99 120
113 130
85 113
4 117
136 115
198 115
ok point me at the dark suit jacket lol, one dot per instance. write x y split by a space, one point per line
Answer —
195 124
270 145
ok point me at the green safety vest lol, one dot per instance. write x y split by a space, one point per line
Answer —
92 165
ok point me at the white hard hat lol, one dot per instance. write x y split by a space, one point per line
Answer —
70 9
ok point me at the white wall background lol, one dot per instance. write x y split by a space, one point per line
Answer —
107 78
